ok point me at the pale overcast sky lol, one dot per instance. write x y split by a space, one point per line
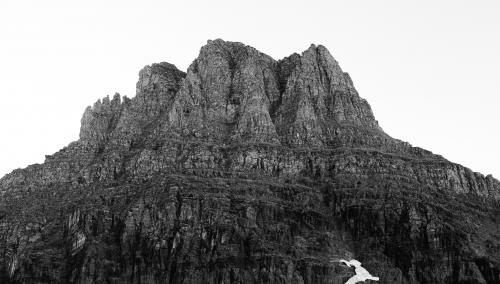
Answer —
429 69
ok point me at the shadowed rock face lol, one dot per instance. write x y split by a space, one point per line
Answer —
245 169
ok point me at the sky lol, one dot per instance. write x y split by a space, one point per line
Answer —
429 69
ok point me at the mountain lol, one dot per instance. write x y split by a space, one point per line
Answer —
245 169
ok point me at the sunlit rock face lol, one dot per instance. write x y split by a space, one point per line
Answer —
317 96
227 95
245 169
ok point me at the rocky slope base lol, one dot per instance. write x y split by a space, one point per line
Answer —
245 169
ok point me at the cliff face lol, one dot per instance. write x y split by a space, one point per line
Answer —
245 169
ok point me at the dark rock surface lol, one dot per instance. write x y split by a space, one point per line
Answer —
245 169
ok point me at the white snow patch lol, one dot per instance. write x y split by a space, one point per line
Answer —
361 274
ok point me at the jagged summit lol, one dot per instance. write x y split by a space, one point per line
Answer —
245 169
232 92
294 101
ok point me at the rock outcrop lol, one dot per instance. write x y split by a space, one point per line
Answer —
245 169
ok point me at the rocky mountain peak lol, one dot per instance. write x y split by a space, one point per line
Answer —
159 76
245 169
227 94
319 96
100 118
234 92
